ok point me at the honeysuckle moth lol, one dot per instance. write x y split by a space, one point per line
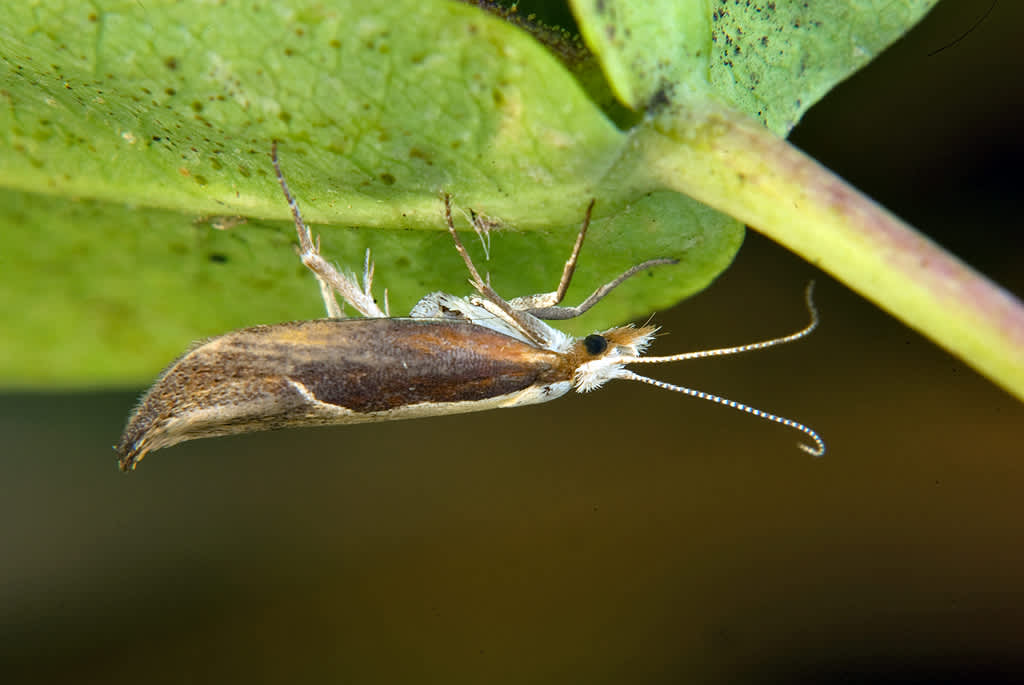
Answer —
450 355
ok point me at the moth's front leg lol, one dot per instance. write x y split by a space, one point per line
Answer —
545 305
547 300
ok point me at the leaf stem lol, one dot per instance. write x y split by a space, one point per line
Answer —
732 163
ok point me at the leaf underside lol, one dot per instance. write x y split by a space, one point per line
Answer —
127 126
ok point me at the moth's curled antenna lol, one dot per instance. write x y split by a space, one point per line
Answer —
817 451
740 349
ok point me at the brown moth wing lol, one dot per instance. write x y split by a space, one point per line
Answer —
332 371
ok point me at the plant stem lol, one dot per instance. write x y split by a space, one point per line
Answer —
735 165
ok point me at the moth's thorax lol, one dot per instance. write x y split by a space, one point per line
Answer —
476 310
591 368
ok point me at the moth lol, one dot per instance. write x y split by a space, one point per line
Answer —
450 355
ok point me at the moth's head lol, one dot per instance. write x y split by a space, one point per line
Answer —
601 357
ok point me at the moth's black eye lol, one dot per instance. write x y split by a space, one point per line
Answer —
595 344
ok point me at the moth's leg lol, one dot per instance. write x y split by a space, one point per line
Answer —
482 225
334 311
329 277
543 305
368 267
536 330
556 313
474 276
543 301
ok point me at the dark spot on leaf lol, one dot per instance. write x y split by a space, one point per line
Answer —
201 180
218 258
170 91
93 17
288 52
197 106
416 153
215 163
334 43
387 179
244 171
661 98
285 117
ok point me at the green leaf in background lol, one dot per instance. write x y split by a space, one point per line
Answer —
115 307
135 119
126 122
771 60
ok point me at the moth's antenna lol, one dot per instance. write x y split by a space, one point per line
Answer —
739 349
816 451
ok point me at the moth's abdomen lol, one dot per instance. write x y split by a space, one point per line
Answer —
337 371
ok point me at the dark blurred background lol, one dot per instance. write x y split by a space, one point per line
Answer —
628 536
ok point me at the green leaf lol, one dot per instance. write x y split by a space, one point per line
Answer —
135 119
125 123
711 132
772 60
648 49
95 293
